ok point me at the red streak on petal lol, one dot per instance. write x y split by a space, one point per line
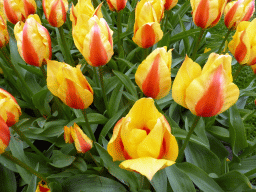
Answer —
43 189
109 35
202 14
241 49
84 145
212 101
72 98
253 62
98 55
146 129
249 13
73 13
162 150
4 132
148 36
168 4
10 119
49 41
230 15
53 14
125 153
111 7
29 54
29 8
10 13
63 11
150 86
120 4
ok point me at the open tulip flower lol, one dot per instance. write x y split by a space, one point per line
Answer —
147 30
153 75
33 41
4 35
207 13
69 84
116 5
10 110
55 11
207 92
93 38
243 45
237 11
143 140
4 135
19 10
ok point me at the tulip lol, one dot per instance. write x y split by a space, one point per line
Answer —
19 10
4 135
207 92
93 38
254 68
147 30
10 110
143 140
75 134
33 41
243 46
116 5
207 13
42 187
237 11
69 84
4 35
55 11
153 75
169 4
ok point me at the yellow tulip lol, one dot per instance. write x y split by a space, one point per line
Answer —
147 30
69 84
237 11
33 41
116 5
143 140
207 13
4 35
153 75
55 11
4 135
243 45
206 92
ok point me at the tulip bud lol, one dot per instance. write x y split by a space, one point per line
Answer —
116 5
169 4
93 38
33 41
207 92
69 84
4 135
4 35
67 135
147 30
42 187
55 11
19 10
243 46
153 75
10 110
207 13
237 11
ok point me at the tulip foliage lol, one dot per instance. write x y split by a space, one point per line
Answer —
124 95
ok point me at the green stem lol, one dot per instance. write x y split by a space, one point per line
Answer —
103 89
224 40
96 77
9 156
181 151
65 49
24 138
197 43
238 71
89 129
145 53
119 31
44 72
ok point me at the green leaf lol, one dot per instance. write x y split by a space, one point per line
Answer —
32 185
54 128
182 35
180 13
32 69
115 99
245 165
219 132
80 164
8 180
61 160
199 177
159 181
200 131
41 101
178 180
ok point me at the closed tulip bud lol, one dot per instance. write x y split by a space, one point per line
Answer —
207 92
207 13
4 35
69 84
55 11
4 135
237 11
93 38
169 4
143 140
10 110
19 10
42 187
243 45
33 41
147 30
153 75
116 5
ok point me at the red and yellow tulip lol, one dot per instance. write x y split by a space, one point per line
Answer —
55 11
153 75
33 41
147 30
237 11
243 45
42 187
169 4
19 10
206 92
4 35
116 5
143 140
207 13
4 135
69 84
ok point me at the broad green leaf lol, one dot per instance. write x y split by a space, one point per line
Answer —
219 132
61 160
32 185
54 128
180 13
93 118
132 54
32 82
115 99
182 35
41 101
32 69
200 131
245 165
80 164
159 181
8 180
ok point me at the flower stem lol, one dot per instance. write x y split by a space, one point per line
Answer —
145 53
238 71
224 40
181 151
119 31
197 43
103 89
9 156
24 138
89 129
44 72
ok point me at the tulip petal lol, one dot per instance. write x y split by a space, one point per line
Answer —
4 135
10 13
52 71
202 14
146 166
241 50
